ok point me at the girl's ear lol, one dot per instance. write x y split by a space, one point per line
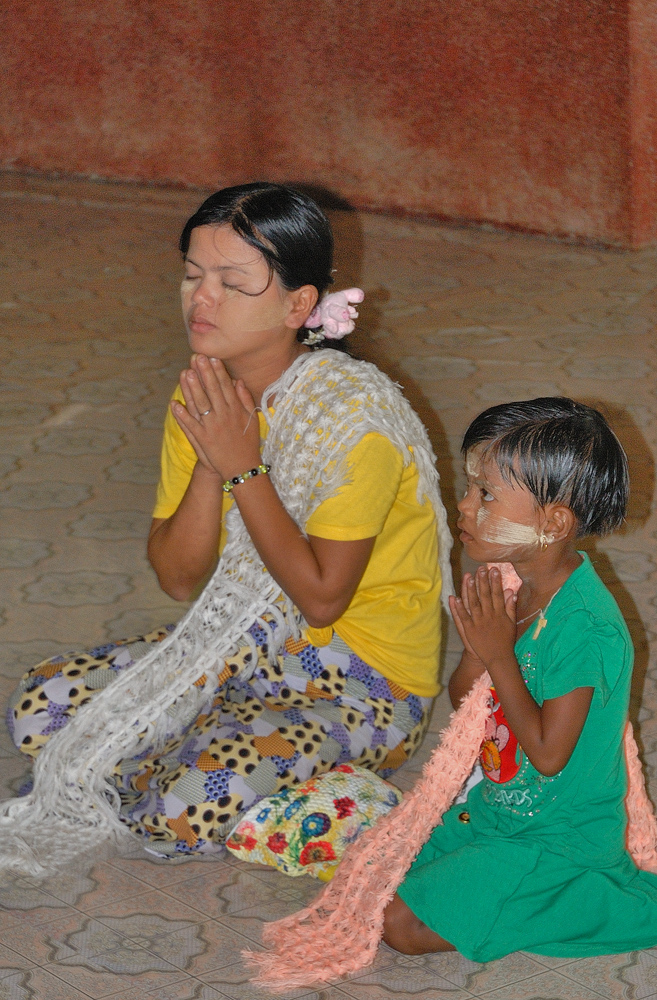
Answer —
301 303
561 522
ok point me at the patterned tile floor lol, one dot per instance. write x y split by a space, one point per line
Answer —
91 345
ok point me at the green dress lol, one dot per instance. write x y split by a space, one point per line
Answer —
538 863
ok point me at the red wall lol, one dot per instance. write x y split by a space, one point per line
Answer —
537 115
643 121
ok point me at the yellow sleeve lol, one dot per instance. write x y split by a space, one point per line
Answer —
360 508
177 462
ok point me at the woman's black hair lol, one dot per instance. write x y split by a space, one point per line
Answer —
287 227
563 452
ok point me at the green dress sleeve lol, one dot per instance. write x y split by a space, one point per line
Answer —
586 652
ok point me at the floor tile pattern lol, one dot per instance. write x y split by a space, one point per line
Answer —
90 349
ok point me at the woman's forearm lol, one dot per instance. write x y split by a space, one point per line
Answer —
319 575
182 549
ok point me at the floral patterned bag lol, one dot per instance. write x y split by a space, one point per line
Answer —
304 830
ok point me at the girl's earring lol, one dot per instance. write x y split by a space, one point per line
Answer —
544 541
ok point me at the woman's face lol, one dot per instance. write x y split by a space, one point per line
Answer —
230 307
499 521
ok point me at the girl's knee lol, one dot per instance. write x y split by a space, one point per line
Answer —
399 924
406 933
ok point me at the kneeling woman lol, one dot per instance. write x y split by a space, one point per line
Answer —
316 640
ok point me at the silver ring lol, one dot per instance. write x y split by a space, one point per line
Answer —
205 413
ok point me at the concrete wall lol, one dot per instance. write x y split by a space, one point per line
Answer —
535 114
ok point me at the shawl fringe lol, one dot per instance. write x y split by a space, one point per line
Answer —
339 933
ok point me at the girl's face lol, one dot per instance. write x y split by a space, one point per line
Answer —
500 521
230 307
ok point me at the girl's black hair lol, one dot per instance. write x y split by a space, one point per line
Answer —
287 227
563 452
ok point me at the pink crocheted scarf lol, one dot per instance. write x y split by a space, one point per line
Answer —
339 933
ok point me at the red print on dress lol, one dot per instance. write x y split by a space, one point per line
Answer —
500 755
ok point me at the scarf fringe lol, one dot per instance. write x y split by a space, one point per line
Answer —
339 933
641 821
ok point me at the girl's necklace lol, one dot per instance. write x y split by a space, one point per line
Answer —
521 621
542 621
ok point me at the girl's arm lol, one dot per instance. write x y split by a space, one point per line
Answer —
460 683
547 734
320 575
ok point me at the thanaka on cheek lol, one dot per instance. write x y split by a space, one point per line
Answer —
501 531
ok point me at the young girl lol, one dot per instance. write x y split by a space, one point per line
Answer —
536 858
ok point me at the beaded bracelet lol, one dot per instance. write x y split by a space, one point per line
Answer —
261 470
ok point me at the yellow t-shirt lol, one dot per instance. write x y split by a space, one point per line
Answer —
393 621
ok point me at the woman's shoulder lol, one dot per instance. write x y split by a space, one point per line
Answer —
351 392
346 374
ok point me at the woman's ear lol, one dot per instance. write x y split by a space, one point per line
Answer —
302 301
560 523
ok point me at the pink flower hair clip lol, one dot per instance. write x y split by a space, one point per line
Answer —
333 317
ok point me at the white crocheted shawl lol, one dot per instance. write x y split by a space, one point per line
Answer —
325 403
